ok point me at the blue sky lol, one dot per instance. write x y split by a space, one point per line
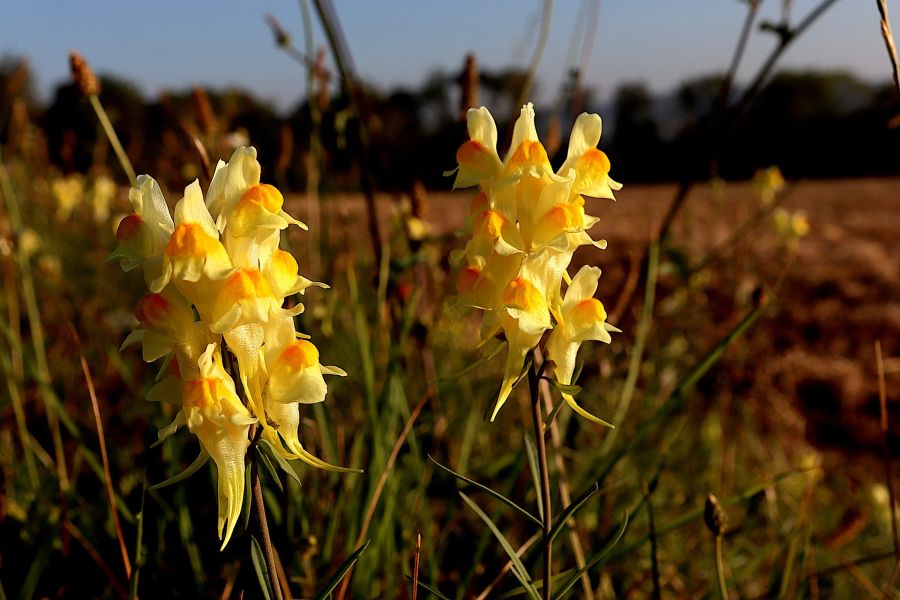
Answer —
168 44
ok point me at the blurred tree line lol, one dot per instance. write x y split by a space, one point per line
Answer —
811 124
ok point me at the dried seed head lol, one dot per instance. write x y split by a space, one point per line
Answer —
83 75
204 110
715 517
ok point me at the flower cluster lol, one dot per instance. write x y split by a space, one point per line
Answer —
217 282
527 221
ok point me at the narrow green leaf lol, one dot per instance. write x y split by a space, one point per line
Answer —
38 564
282 462
552 416
193 468
531 453
573 579
342 570
259 565
490 492
560 522
518 569
556 579
565 388
262 459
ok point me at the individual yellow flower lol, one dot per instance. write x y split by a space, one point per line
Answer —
580 317
478 159
144 234
214 413
193 250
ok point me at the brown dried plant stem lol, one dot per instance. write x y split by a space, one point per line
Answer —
110 493
888 36
534 386
724 118
262 522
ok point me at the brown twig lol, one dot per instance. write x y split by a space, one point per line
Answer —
415 581
259 502
733 116
520 552
379 488
766 69
107 476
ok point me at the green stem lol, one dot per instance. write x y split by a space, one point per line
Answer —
113 139
546 517
720 569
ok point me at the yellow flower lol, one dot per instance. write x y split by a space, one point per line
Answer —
219 260
526 223
478 159
145 233
214 413
579 318
767 183
69 191
193 250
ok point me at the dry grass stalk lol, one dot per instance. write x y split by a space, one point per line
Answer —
888 36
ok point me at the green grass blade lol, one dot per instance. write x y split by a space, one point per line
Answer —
138 542
697 513
576 576
560 522
342 570
518 569
430 589
490 492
